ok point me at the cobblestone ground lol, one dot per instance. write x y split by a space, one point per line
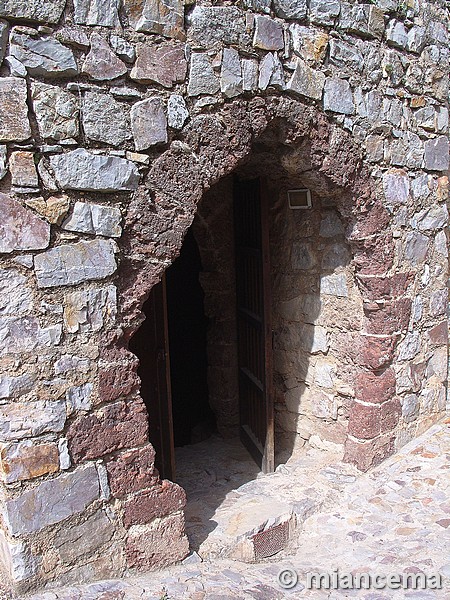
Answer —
393 520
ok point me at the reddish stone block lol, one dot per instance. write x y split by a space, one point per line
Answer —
438 335
390 318
113 427
375 388
371 220
370 453
117 381
377 353
157 502
159 544
390 415
384 288
364 421
374 256
132 471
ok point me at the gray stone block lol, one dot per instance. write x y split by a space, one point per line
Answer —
20 420
214 25
104 119
436 157
268 34
96 12
96 219
177 112
81 170
324 12
290 9
14 124
202 79
338 96
49 11
73 263
52 501
306 81
231 73
148 123
56 111
43 56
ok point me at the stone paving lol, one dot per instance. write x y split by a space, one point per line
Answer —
392 520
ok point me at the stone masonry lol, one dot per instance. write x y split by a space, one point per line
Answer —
116 118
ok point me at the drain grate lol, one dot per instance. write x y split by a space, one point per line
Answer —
269 542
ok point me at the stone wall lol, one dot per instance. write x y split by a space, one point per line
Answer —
115 118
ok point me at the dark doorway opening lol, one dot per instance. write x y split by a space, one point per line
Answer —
193 419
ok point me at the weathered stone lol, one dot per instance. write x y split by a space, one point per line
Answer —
73 263
73 36
306 81
96 219
28 419
148 123
105 119
114 427
125 93
101 63
43 56
81 170
17 561
410 407
416 247
161 543
325 373
23 169
3 167
431 219
365 19
407 150
302 256
290 9
14 124
27 459
334 285
96 12
213 25
177 112
33 233
48 181
54 209
258 5
231 73
122 48
132 471
271 72
202 79
52 501
436 157
334 256
307 43
249 75
338 96
438 335
142 159
56 111
84 539
15 295
165 17
78 397
375 389
396 34
14 387
3 39
49 11
324 12
24 334
268 34
331 225
155 503
164 64
388 318
69 362
346 55
89 310
396 186
410 346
